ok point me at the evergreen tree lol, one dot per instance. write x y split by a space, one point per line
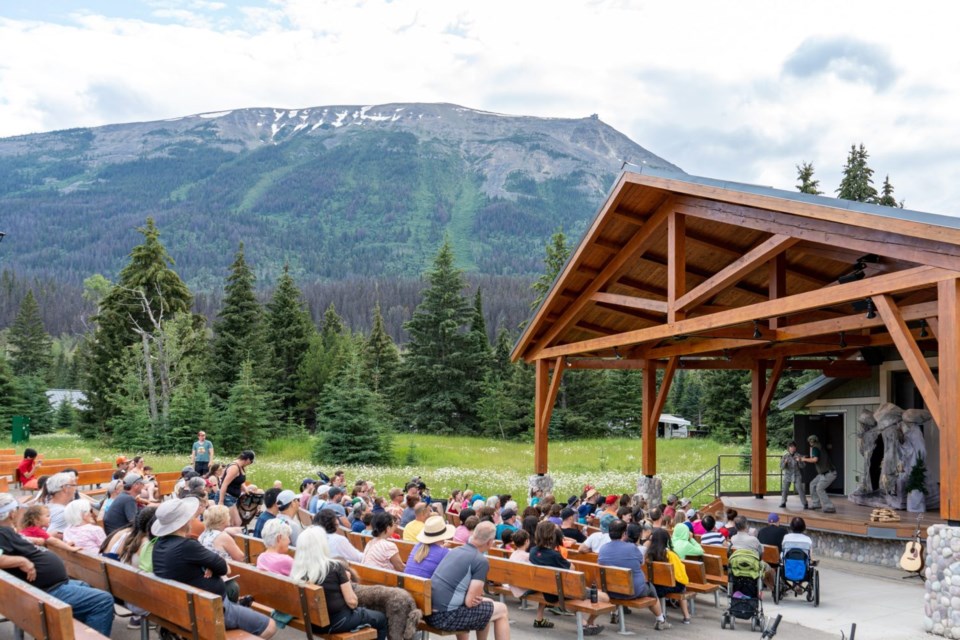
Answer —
352 420
558 252
129 425
32 355
480 343
726 400
9 396
248 419
380 355
191 411
857 181
237 333
288 334
34 404
805 181
331 329
148 291
66 417
437 372
500 365
886 195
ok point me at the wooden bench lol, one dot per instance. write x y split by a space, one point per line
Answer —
771 555
418 588
697 580
305 602
177 607
39 614
715 573
166 481
569 586
9 467
614 580
306 518
661 573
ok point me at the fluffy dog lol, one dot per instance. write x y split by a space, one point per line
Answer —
398 605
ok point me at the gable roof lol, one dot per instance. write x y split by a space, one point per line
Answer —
625 251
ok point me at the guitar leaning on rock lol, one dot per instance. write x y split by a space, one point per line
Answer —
912 558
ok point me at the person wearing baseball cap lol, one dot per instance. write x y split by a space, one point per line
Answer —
773 533
826 474
124 509
508 522
288 507
569 526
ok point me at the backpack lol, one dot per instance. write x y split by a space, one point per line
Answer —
795 565
745 563
146 556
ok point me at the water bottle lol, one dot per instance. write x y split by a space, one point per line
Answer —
593 593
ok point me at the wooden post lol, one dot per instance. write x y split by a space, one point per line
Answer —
545 397
649 422
758 429
949 424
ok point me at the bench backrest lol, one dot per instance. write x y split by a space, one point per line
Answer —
715 550
566 583
90 477
306 518
662 573
609 579
358 540
39 614
84 566
713 565
696 571
771 554
7 467
583 556
418 588
305 602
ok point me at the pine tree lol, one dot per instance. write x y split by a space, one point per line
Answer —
886 195
805 181
9 396
352 420
66 417
558 252
857 181
288 333
437 372
191 411
32 355
500 365
248 420
331 329
480 343
380 355
35 404
237 333
726 400
148 292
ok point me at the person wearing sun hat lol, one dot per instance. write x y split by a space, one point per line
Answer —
428 553
177 557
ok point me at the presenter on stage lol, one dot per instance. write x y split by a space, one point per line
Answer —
826 474
790 465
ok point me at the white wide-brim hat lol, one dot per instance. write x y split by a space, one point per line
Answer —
435 530
173 514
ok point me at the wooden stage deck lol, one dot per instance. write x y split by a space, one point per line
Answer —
850 519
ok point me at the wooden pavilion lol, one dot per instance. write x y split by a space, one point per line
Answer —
683 272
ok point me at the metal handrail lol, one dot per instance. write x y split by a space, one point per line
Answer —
718 474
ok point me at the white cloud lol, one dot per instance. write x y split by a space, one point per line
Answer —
742 90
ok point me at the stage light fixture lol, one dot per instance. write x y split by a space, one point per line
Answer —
756 330
923 329
871 309
843 340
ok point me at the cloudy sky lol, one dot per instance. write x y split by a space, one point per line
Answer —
739 90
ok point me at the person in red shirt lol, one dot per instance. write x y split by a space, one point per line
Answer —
26 470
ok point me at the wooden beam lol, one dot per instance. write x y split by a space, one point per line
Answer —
949 423
866 240
777 285
676 265
690 347
648 436
637 245
630 302
665 388
917 365
850 323
715 246
732 273
546 396
771 385
908 280
758 430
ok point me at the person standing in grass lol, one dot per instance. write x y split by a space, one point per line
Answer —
202 454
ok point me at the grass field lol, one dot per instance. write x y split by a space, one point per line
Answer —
446 462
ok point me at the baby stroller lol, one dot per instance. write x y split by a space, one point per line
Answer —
797 574
744 582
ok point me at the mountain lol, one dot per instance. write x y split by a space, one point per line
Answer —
336 191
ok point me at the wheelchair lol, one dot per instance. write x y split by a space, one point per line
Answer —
797 574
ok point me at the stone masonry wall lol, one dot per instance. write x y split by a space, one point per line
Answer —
884 553
941 602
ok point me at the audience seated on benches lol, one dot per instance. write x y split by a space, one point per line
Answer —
623 553
429 550
177 557
381 551
340 546
683 543
314 564
46 572
276 539
660 551
81 529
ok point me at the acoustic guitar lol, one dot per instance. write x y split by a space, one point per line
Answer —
912 558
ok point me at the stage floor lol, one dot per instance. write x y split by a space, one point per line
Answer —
849 519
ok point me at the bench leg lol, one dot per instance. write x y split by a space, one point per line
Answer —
524 605
579 626
17 633
145 628
716 599
623 623
693 605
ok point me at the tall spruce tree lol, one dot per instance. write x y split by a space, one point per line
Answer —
352 419
237 332
886 195
726 400
857 181
288 333
248 419
558 252
32 355
380 355
35 405
437 375
9 396
321 363
148 290
805 180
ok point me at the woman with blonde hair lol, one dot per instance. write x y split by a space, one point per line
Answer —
214 538
428 553
314 564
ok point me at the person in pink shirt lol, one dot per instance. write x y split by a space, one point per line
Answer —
522 554
82 530
276 538
306 491
462 534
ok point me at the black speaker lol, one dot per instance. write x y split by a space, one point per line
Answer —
873 356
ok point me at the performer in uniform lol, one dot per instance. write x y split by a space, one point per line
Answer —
826 474
790 465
